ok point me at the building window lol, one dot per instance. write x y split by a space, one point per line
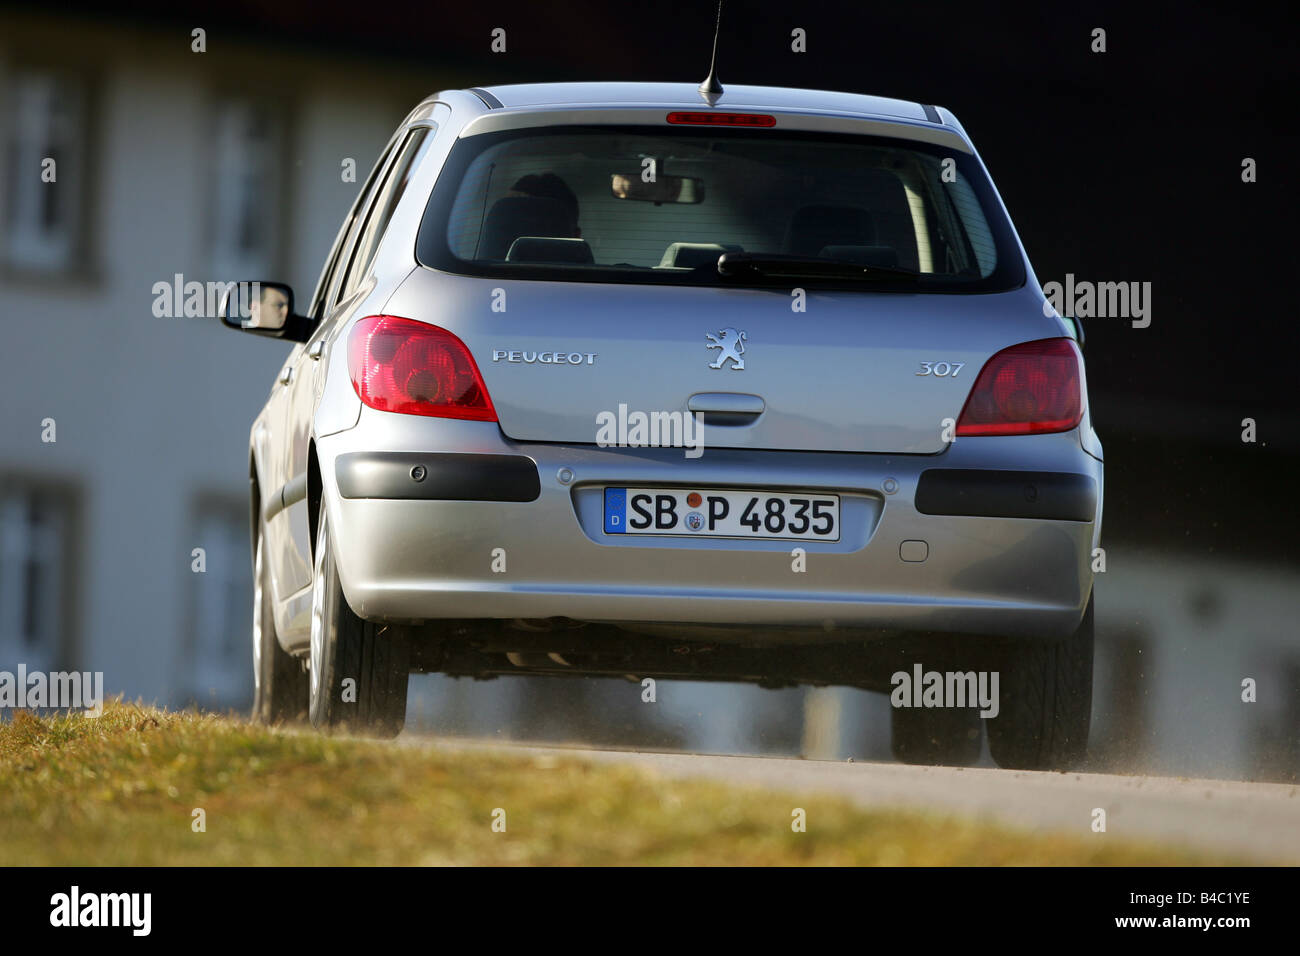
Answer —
43 218
247 147
220 662
36 586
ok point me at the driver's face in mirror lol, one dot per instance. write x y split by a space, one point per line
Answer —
270 311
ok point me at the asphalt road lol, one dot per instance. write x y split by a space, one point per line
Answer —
1257 820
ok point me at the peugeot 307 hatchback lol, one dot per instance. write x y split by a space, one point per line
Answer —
629 380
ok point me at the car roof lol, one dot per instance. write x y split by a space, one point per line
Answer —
686 95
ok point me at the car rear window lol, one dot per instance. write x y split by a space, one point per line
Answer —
641 205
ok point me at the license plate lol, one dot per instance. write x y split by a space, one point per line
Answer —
715 513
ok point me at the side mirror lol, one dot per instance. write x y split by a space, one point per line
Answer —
263 308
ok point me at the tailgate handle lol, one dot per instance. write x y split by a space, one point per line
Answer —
727 408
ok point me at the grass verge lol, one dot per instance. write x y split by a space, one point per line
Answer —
122 790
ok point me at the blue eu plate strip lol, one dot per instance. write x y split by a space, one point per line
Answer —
615 510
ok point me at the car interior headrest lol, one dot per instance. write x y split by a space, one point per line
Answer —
545 249
867 255
814 227
689 255
516 216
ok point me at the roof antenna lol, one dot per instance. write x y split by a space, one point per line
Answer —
711 89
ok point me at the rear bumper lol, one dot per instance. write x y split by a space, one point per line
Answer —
993 536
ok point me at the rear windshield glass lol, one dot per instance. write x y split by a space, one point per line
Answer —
642 205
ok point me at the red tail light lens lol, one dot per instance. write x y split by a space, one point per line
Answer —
722 119
400 365
1028 389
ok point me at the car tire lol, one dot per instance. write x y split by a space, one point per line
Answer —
279 681
1046 702
950 736
344 647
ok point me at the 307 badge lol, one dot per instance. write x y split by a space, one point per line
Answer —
722 513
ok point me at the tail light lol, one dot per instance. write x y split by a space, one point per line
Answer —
1028 389
400 365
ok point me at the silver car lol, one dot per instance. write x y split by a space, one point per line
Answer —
631 380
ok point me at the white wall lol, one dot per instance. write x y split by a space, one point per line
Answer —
153 412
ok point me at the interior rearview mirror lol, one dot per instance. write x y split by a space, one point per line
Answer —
661 189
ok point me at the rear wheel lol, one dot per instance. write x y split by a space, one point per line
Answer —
359 670
279 684
1046 702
